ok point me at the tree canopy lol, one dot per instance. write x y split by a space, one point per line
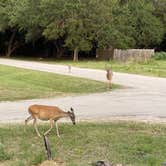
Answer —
80 25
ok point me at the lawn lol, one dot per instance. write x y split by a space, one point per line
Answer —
152 67
128 143
19 84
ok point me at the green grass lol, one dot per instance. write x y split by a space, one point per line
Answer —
152 67
16 84
134 144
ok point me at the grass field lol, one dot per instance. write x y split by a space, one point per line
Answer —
134 144
152 67
16 84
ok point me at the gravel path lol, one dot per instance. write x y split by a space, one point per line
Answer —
144 98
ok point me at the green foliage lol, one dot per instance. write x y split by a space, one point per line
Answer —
4 19
3 154
148 28
160 56
122 28
81 24
26 16
160 10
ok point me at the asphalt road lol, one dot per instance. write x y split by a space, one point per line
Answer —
143 98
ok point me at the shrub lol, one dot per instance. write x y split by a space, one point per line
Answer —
160 56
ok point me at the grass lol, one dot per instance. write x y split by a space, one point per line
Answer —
134 144
153 67
150 68
16 84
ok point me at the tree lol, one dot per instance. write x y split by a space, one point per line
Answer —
148 28
78 22
119 32
160 9
87 19
160 12
26 17
52 20
78 25
6 11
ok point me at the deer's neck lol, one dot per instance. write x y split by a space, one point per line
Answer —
64 114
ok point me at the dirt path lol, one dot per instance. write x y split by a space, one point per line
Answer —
143 99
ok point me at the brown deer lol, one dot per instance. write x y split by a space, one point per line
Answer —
109 76
51 113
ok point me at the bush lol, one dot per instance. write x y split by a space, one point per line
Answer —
160 56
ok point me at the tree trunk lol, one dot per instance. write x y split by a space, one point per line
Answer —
60 52
75 58
59 47
11 48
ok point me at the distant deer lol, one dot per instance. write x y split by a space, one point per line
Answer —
109 76
51 113
69 68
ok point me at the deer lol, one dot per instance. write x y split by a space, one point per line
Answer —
51 113
69 68
109 76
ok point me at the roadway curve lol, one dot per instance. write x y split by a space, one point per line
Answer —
144 98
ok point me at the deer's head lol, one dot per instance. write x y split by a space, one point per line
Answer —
72 115
108 67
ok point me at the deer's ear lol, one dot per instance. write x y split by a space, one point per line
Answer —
72 110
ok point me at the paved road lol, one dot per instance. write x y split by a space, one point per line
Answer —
144 98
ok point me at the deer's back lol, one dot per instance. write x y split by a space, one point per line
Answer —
44 112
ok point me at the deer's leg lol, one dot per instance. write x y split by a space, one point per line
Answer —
51 126
57 130
110 84
28 119
35 126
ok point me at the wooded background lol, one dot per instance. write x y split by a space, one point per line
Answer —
66 28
